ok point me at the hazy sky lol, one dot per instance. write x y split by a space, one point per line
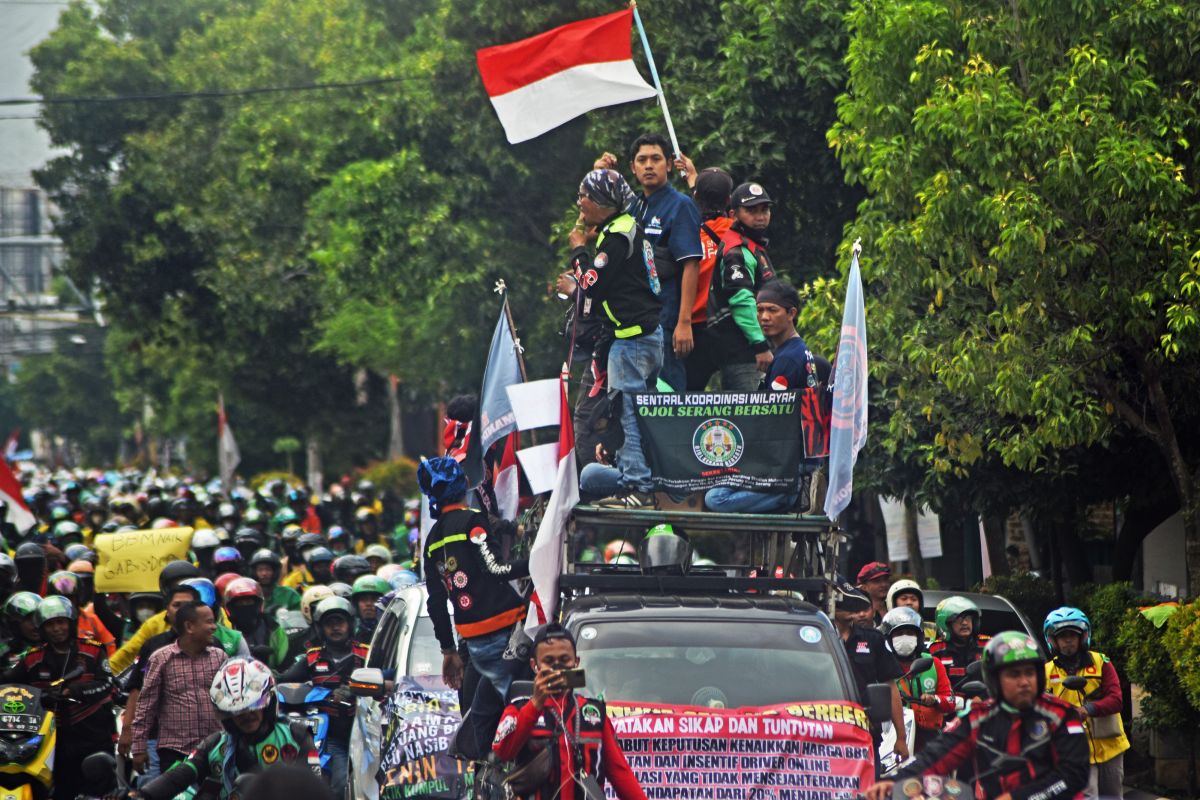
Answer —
23 146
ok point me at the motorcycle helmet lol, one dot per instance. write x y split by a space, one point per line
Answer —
285 516
64 583
333 605
618 547
67 533
310 598
339 536
162 523
342 590
76 552
8 571
227 559
369 584
350 568
206 591
904 586
241 589
901 627
205 539
951 609
289 538
309 541
174 572
404 578
144 605
253 517
268 557
223 580
1067 618
388 570
20 606
1010 649
86 572
247 541
665 551
318 555
241 685
55 607
380 552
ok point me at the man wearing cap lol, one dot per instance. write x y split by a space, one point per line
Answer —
870 658
875 579
621 279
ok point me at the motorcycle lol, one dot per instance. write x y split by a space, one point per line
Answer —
27 739
303 702
888 760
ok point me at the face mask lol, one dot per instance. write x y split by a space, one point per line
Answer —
904 646
143 613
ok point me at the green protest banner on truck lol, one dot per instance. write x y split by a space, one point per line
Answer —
746 440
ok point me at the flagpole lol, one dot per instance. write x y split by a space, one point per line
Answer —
662 98
502 290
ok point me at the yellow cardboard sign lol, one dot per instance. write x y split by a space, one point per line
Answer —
131 560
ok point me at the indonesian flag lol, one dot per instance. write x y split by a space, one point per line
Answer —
537 84
545 558
507 481
10 447
10 492
228 456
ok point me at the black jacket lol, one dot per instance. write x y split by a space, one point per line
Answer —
621 279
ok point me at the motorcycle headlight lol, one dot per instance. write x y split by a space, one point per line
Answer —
28 749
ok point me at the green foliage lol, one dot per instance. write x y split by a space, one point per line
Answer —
1182 642
260 480
286 444
1033 596
398 477
1148 662
1107 607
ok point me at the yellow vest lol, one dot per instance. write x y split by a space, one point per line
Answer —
1101 749
298 579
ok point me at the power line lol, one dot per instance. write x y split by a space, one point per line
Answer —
206 93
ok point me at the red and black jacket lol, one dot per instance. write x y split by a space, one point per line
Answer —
583 739
1049 737
956 657
91 713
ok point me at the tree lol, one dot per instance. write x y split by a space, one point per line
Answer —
1032 229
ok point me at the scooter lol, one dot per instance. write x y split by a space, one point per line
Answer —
302 702
27 739
888 760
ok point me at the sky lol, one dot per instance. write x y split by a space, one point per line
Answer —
23 146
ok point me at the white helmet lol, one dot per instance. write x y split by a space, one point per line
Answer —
313 595
901 587
241 685
205 537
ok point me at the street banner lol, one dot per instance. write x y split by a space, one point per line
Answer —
130 561
745 440
800 750
539 83
418 724
848 422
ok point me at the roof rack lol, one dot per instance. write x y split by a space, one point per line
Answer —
686 584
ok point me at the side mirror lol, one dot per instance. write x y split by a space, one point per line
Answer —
1076 683
973 689
367 682
975 670
879 703
99 768
520 689
920 665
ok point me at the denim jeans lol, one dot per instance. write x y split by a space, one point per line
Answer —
496 675
599 480
725 500
633 365
339 764
673 370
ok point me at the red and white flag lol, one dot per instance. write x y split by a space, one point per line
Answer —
545 557
10 492
539 83
10 447
507 482
228 456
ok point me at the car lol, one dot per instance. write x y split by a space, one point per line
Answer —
997 613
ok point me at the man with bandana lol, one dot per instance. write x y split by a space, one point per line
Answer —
622 280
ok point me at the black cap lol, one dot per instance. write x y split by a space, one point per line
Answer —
750 194
849 597
712 190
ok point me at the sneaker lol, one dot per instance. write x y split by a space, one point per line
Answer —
631 500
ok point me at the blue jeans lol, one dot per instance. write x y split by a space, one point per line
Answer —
632 367
599 480
496 675
747 501
673 370
339 764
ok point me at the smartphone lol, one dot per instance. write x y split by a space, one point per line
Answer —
576 679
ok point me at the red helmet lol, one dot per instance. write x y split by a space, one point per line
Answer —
241 588
224 580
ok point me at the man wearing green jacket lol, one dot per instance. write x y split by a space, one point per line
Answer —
266 567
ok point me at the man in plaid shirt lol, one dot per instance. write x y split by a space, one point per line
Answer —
174 698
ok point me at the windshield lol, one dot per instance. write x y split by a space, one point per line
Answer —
424 654
705 663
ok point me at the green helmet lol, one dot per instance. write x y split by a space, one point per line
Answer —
252 516
333 605
285 516
1010 649
55 607
951 609
20 606
370 584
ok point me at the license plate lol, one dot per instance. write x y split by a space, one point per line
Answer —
23 723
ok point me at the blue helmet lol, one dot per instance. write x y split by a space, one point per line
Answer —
403 578
1067 619
206 590
442 480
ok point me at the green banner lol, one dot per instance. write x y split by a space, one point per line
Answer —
746 440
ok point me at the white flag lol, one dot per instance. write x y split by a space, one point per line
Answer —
228 456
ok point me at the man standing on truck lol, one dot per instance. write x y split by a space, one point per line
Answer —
870 658
576 729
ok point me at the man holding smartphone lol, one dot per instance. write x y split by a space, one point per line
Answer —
573 729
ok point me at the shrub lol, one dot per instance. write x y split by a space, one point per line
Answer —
1107 607
1149 664
398 477
1033 596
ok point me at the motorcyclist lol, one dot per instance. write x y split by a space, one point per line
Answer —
82 702
226 637
30 559
310 638
265 567
367 591
244 604
330 665
1043 734
366 525
1068 634
288 541
20 618
301 577
960 644
228 559
87 624
349 568
320 564
253 739
340 541
204 546
172 573
902 628
377 555
248 541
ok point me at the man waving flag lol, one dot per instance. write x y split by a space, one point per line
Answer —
537 84
848 424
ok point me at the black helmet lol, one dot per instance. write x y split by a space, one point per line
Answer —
350 568
248 535
307 540
265 556
174 572
28 551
